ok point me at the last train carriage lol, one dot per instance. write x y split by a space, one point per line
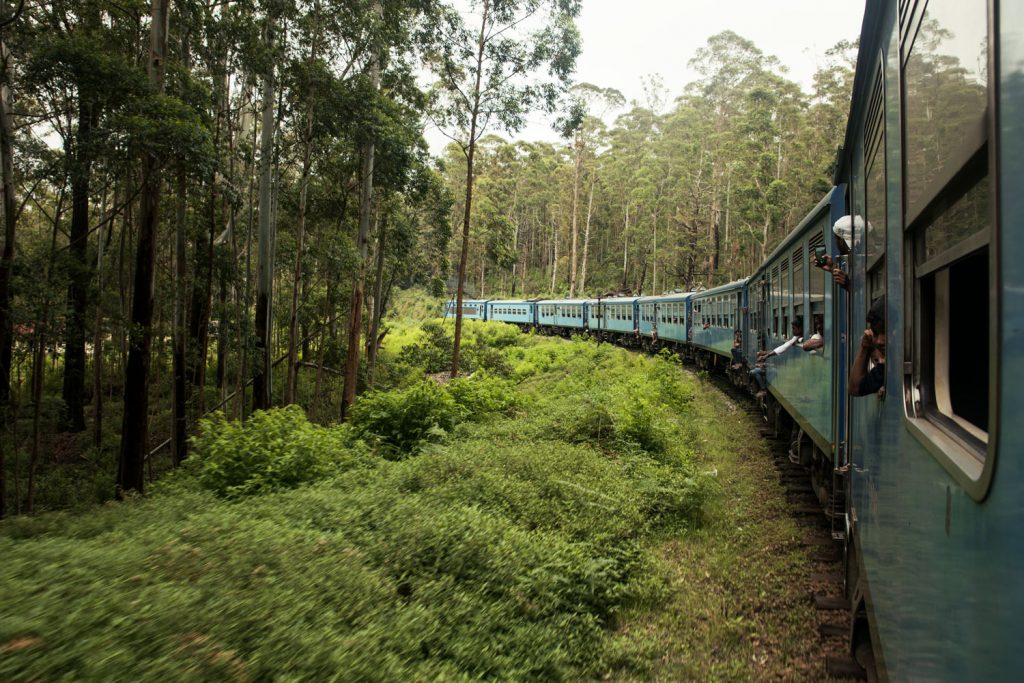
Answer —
921 471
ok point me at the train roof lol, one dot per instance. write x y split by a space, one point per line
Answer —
562 301
672 296
714 291
508 301
614 300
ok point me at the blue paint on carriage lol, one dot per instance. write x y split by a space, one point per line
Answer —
717 316
473 309
510 311
615 315
942 549
663 317
566 313
787 288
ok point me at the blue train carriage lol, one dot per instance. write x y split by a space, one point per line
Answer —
473 309
614 317
933 160
793 313
561 316
516 312
662 319
717 317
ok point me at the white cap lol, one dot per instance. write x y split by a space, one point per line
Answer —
844 228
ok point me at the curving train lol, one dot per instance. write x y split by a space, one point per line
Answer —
921 469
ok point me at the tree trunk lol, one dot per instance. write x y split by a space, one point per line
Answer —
97 336
470 153
136 394
373 343
625 251
179 429
586 235
78 275
300 228
10 223
262 380
554 256
348 396
575 214
6 259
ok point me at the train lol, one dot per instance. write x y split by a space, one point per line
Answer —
906 412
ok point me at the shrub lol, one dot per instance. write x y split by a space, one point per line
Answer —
481 395
400 422
272 450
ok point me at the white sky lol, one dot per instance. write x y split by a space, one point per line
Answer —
626 40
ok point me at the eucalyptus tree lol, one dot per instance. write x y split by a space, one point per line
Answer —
136 395
582 123
519 58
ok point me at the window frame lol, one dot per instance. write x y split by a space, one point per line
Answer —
975 160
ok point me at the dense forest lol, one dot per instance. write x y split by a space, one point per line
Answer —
211 205
653 196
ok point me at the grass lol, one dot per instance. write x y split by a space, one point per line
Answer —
571 511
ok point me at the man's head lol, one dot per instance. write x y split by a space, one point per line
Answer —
876 320
798 328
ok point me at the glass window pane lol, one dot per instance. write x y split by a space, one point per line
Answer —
945 79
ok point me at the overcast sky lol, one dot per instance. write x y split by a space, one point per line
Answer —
625 40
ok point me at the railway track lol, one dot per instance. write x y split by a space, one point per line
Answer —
825 584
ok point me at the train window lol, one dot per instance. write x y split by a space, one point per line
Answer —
799 254
774 301
949 221
875 198
817 278
785 287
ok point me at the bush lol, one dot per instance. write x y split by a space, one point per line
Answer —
273 449
480 395
400 422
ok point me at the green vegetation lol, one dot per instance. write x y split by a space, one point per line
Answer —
515 524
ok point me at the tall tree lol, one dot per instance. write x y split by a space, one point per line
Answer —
265 280
489 75
136 394
362 242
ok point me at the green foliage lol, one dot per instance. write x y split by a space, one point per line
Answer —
272 450
509 553
480 396
401 421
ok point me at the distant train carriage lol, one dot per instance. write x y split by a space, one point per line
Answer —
613 316
565 314
474 309
663 318
717 316
507 311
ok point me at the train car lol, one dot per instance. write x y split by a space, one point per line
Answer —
717 317
561 314
615 316
663 318
932 162
473 309
510 311
793 311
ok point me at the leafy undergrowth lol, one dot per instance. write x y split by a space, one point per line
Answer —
528 522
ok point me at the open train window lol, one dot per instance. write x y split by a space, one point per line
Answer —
799 254
950 225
